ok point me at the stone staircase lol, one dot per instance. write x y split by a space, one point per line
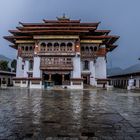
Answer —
88 86
55 87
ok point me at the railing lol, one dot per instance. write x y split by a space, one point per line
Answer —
87 54
56 53
27 54
56 67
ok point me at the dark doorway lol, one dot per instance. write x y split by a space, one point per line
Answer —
45 76
67 77
86 79
9 82
57 79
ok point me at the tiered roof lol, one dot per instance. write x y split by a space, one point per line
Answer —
62 26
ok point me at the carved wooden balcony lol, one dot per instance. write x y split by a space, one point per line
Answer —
56 53
56 67
27 54
88 55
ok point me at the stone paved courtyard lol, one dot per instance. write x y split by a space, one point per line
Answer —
69 115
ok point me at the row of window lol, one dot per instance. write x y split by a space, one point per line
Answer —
27 48
56 46
89 48
43 44
30 65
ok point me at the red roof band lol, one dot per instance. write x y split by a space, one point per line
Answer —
62 26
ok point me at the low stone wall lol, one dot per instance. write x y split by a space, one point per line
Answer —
36 84
76 83
20 82
28 83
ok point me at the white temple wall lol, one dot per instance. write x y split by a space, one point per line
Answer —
137 82
26 68
100 68
92 76
36 68
36 86
76 67
19 71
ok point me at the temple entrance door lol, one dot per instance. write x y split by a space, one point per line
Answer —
9 82
86 79
57 79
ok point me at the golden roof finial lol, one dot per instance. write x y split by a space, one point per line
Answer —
63 17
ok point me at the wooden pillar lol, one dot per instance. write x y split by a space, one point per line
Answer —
50 77
63 77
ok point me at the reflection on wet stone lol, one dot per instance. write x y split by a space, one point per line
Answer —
69 115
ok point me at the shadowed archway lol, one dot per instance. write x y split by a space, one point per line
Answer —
57 78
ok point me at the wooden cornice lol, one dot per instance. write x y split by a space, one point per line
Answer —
62 28
56 28
91 41
46 31
56 37
99 37
59 21
59 24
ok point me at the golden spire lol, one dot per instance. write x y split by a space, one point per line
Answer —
63 17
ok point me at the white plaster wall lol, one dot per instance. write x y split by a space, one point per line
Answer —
137 82
36 68
24 85
92 76
100 68
19 71
81 65
16 84
21 84
26 68
36 86
77 87
77 67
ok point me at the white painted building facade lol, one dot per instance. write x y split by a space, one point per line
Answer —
61 52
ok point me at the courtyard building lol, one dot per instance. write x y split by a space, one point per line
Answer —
128 78
62 52
6 78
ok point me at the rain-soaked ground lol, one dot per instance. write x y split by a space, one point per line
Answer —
69 115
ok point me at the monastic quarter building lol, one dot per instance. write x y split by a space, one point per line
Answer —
62 52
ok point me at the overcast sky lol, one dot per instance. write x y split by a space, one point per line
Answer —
120 16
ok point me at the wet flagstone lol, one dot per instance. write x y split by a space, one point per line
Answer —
69 115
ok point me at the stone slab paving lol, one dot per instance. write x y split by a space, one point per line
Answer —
69 115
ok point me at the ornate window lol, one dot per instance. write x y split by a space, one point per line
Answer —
49 47
31 65
95 48
82 48
31 48
62 46
56 46
91 49
69 46
86 65
43 46
87 49
22 47
26 48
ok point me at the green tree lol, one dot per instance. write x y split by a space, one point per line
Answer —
4 65
13 64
